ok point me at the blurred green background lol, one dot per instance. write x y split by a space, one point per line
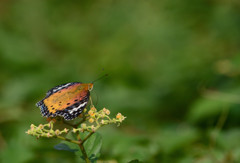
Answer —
173 71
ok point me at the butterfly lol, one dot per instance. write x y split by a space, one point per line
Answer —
65 100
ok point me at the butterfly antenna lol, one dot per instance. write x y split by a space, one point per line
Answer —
101 77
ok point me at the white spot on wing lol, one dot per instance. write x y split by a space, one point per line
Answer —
61 87
76 109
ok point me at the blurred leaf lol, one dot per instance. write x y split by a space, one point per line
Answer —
18 148
92 145
230 136
206 108
65 147
176 138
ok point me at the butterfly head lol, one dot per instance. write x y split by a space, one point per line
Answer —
90 86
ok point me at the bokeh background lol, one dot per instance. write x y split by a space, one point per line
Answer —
173 71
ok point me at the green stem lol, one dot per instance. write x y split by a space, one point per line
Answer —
80 144
84 153
82 148
69 140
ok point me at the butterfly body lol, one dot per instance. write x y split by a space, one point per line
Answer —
66 100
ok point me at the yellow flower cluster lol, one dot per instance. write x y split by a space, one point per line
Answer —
45 130
98 119
93 120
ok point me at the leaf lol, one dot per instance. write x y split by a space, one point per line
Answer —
204 109
93 146
65 147
70 145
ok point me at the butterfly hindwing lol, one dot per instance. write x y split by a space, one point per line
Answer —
66 100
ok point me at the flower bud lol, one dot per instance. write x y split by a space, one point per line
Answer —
49 125
93 128
57 132
102 115
93 109
65 130
102 122
91 113
91 120
32 126
83 125
74 130
106 111
48 135
119 115
40 126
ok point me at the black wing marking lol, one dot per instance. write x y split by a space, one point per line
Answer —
59 87
70 112
74 110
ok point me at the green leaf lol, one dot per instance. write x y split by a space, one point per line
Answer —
93 146
73 146
65 147
206 108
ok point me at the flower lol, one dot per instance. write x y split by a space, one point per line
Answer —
48 135
32 126
57 132
93 128
40 126
106 111
91 120
102 121
120 117
83 125
91 113
65 130
74 130
28 132
93 109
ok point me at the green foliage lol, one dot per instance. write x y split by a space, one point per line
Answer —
93 146
206 109
18 148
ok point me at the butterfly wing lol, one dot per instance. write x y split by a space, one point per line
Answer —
66 100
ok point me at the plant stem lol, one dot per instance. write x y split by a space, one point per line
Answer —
84 153
82 148
69 140
80 144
